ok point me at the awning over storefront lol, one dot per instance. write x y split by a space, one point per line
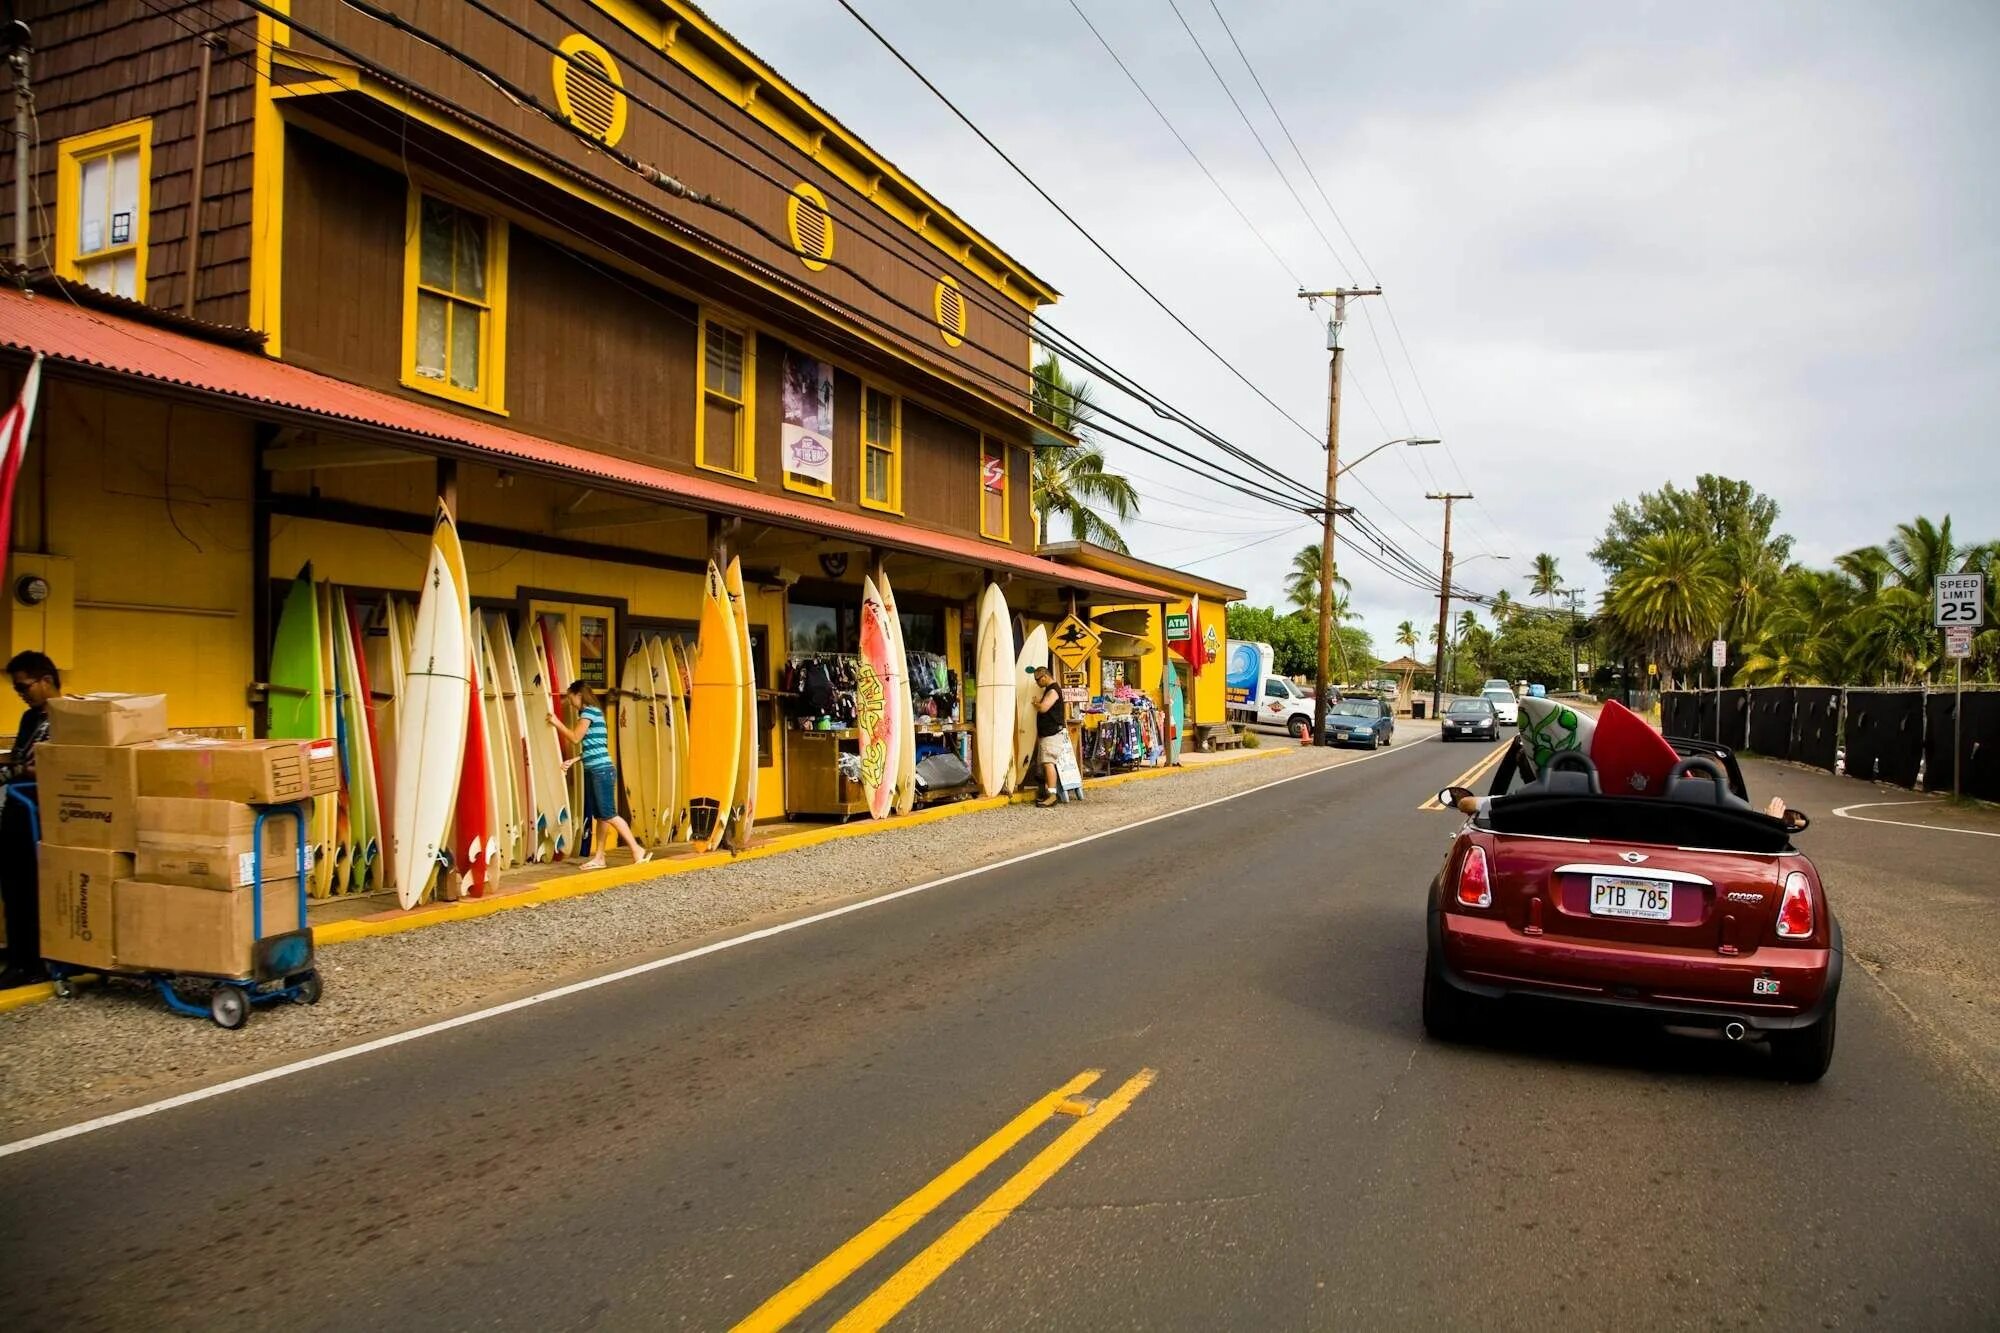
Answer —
1106 562
97 344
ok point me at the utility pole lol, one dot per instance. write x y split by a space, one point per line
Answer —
1339 297
1444 599
1574 657
14 40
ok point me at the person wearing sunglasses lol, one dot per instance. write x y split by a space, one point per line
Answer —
37 681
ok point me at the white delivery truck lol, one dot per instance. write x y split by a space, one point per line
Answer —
1253 691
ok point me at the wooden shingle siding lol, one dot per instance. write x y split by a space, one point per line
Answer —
906 268
104 62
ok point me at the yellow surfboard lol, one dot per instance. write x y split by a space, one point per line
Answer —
669 734
715 721
744 811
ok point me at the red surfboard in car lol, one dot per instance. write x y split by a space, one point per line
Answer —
1689 908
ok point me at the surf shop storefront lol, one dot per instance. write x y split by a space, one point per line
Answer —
1174 645
181 489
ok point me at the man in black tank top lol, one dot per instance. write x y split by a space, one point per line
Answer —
1049 734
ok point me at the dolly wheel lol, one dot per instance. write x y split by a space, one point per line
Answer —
229 1007
308 990
65 988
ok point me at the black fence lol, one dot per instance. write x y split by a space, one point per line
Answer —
1885 735
1902 737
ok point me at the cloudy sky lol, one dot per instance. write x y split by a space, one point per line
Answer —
1626 243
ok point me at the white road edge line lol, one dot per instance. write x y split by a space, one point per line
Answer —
638 969
1904 823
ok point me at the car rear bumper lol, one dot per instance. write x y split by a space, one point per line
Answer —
1489 958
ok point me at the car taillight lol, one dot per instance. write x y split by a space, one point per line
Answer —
1475 879
1795 913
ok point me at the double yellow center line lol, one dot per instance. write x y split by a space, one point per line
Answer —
903 1286
1469 776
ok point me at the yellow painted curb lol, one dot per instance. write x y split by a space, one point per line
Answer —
611 877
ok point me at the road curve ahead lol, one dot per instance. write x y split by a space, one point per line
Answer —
1171 1078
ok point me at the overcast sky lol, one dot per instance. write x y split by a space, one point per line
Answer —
1626 243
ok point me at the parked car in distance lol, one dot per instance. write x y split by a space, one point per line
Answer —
1487 687
1692 909
1286 705
1505 705
1360 721
1471 720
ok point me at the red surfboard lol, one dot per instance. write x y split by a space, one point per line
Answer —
1632 758
470 834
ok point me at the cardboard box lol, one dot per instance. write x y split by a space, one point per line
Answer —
178 928
252 772
88 795
107 719
212 844
78 920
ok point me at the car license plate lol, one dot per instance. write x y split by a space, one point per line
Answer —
1646 899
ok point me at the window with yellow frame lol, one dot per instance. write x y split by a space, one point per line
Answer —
455 303
994 466
104 181
722 432
881 450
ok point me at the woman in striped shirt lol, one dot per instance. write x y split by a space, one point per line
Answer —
591 738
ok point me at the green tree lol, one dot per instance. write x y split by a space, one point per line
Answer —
1072 482
1302 584
1671 597
1504 608
1546 581
1528 649
1406 636
1718 507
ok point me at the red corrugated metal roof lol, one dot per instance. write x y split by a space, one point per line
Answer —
66 332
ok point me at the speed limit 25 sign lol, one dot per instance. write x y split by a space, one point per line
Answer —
1961 600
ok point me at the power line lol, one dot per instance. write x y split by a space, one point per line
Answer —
1081 230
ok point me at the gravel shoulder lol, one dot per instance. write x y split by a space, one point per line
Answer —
117 1045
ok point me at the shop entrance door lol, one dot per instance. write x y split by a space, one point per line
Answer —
582 635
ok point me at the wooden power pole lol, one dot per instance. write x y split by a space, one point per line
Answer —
1339 297
1444 601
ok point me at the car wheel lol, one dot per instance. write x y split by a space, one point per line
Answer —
1449 1015
1301 728
1803 1055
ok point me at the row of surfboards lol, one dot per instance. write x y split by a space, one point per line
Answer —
450 771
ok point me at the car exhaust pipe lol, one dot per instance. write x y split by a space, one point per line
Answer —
1733 1031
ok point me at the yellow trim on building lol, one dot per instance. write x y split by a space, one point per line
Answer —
71 155
267 187
746 405
688 37
563 70
568 182
894 503
813 257
491 393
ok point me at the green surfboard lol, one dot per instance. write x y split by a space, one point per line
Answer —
296 682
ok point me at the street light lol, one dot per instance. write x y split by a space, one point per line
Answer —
1411 440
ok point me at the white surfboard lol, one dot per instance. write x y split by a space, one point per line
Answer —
906 751
1034 652
437 693
994 720
553 832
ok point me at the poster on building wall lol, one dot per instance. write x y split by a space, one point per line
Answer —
806 436
993 473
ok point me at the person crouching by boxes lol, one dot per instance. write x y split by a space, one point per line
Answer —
37 681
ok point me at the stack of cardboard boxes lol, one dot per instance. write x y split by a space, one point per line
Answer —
148 857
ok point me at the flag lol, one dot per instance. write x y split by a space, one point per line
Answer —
14 428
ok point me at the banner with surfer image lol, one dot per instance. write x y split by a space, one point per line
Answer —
806 437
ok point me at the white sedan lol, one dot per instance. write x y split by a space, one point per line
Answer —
1506 705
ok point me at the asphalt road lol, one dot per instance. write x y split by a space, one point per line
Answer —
674 1148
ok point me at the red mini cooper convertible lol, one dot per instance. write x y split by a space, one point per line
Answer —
1691 908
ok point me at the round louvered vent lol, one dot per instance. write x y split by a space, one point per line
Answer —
811 225
949 303
589 92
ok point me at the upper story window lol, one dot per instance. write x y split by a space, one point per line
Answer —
103 180
728 378
993 498
455 302
881 450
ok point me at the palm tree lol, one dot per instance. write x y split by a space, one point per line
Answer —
1072 482
1671 597
1546 581
1302 584
1406 636
1920 551
1504 608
